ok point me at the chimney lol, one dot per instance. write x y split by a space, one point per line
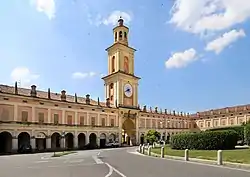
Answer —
87 99
174 112
144 108
98 101
166 111
161 111
75 98
33 91
63 95
49 93
107 102
16 89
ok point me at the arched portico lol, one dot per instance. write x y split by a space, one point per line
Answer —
92 140
112 137
102 140
24 139
129 132
69 141
5 142
81 140
40 141
55 140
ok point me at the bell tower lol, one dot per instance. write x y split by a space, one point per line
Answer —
121 85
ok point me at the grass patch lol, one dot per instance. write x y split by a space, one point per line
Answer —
236 155
59 154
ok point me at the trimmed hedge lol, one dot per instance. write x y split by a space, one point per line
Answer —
238 129
208 140
247 134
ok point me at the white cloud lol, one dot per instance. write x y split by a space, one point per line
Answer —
199 16
181 59
46 6
23 76
219 44
80 75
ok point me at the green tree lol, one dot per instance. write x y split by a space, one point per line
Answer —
152 136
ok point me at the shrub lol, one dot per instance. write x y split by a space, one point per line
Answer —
238 129
247 134
152 136
208 140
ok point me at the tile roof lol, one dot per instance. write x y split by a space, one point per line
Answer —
43 94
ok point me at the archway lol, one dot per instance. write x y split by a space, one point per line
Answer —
81 140
69 141
142 139
40 141
129 131
23 139
112 138
92 140
55 140
102 140
6 142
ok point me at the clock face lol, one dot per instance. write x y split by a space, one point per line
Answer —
128 90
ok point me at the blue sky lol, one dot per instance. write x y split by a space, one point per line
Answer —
191 56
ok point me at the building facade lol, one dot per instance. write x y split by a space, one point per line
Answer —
51 121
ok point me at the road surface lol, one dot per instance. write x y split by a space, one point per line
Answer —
122 162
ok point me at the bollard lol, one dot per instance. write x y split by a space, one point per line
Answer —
153 144
140 148
162 152
148 145
149 150
186 155
219 157
143 149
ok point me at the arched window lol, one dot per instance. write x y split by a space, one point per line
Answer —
120 34
125 35
113 64
126 65
115 36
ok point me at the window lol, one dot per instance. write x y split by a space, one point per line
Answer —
120 35
231 121
126 65
216 123
103 122
69 119
125 35
93 121
56 119
5 114
208 124
115 36
223 122
41 117
81 120
113 64
201 124
25 116
112 122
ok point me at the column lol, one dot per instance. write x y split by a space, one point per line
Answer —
48 142
137 131
75 141
63 117
33 118
33 143
87 138
15 112
49 115
14 144
76 118
88 118
98 119
62 143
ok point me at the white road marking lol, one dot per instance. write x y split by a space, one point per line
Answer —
41 161
98 153
97 160
111 169
118 172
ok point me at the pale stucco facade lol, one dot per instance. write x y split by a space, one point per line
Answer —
47 120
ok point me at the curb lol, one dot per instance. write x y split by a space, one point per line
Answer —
204 161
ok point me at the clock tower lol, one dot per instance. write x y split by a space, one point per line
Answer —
121 85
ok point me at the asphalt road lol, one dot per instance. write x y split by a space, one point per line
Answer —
107 163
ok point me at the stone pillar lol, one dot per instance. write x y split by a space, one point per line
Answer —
33 143
49 116
63 117
15 112
48 143
186 157
14 144
137 132
75 141
87 138
219 157
98 140
33 118
62 143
